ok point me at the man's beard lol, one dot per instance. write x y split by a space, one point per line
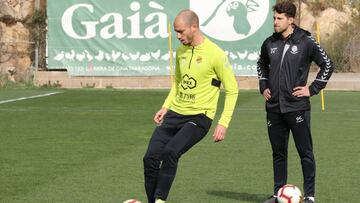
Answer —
280 31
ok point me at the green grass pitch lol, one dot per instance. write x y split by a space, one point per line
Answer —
87 146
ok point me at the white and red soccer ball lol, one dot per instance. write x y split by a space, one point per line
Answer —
132 201
289 194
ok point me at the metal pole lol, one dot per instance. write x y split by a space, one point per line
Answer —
322 91
171 54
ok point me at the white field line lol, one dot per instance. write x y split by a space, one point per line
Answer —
30 97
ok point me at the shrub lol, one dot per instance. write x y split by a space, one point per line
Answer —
343 47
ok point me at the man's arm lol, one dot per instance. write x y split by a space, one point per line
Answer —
158 118
263 71
225 74
319 56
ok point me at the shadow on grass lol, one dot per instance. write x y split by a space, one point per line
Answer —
242 196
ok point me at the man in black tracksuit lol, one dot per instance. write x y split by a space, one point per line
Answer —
283 70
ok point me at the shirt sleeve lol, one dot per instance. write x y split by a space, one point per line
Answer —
225 73
174 86
319 56
263 68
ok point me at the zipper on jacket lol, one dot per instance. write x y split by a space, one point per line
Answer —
285 49
192 54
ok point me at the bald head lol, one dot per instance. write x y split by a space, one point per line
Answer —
186 26
189 17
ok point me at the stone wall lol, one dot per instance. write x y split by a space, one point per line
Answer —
15 38
329 20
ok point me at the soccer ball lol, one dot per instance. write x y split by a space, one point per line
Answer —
132 201
289 194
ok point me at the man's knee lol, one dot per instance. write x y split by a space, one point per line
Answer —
170 157
151 162
280 155
306 155
280 151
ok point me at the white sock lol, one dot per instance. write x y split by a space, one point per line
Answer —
311 198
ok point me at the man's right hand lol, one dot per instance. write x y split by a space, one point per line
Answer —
267 94
159 116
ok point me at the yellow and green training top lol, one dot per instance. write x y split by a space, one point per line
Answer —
199 72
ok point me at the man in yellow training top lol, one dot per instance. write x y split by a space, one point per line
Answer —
187 113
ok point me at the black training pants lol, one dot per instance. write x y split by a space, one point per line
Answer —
177 134
279 126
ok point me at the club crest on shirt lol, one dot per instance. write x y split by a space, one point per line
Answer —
198 60
294 49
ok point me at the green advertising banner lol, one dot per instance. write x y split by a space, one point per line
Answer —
130 38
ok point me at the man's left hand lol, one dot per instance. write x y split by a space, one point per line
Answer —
301 91
219 133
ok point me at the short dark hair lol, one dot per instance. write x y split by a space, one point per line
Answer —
286 7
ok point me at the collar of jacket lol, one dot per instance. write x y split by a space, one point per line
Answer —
295 37
202 45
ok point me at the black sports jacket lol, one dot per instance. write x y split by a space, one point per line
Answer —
285 64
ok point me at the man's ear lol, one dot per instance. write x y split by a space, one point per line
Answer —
193 27
291 20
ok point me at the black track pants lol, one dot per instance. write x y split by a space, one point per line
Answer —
176 135
279 126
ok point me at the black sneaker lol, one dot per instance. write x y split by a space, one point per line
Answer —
307 200
272 199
